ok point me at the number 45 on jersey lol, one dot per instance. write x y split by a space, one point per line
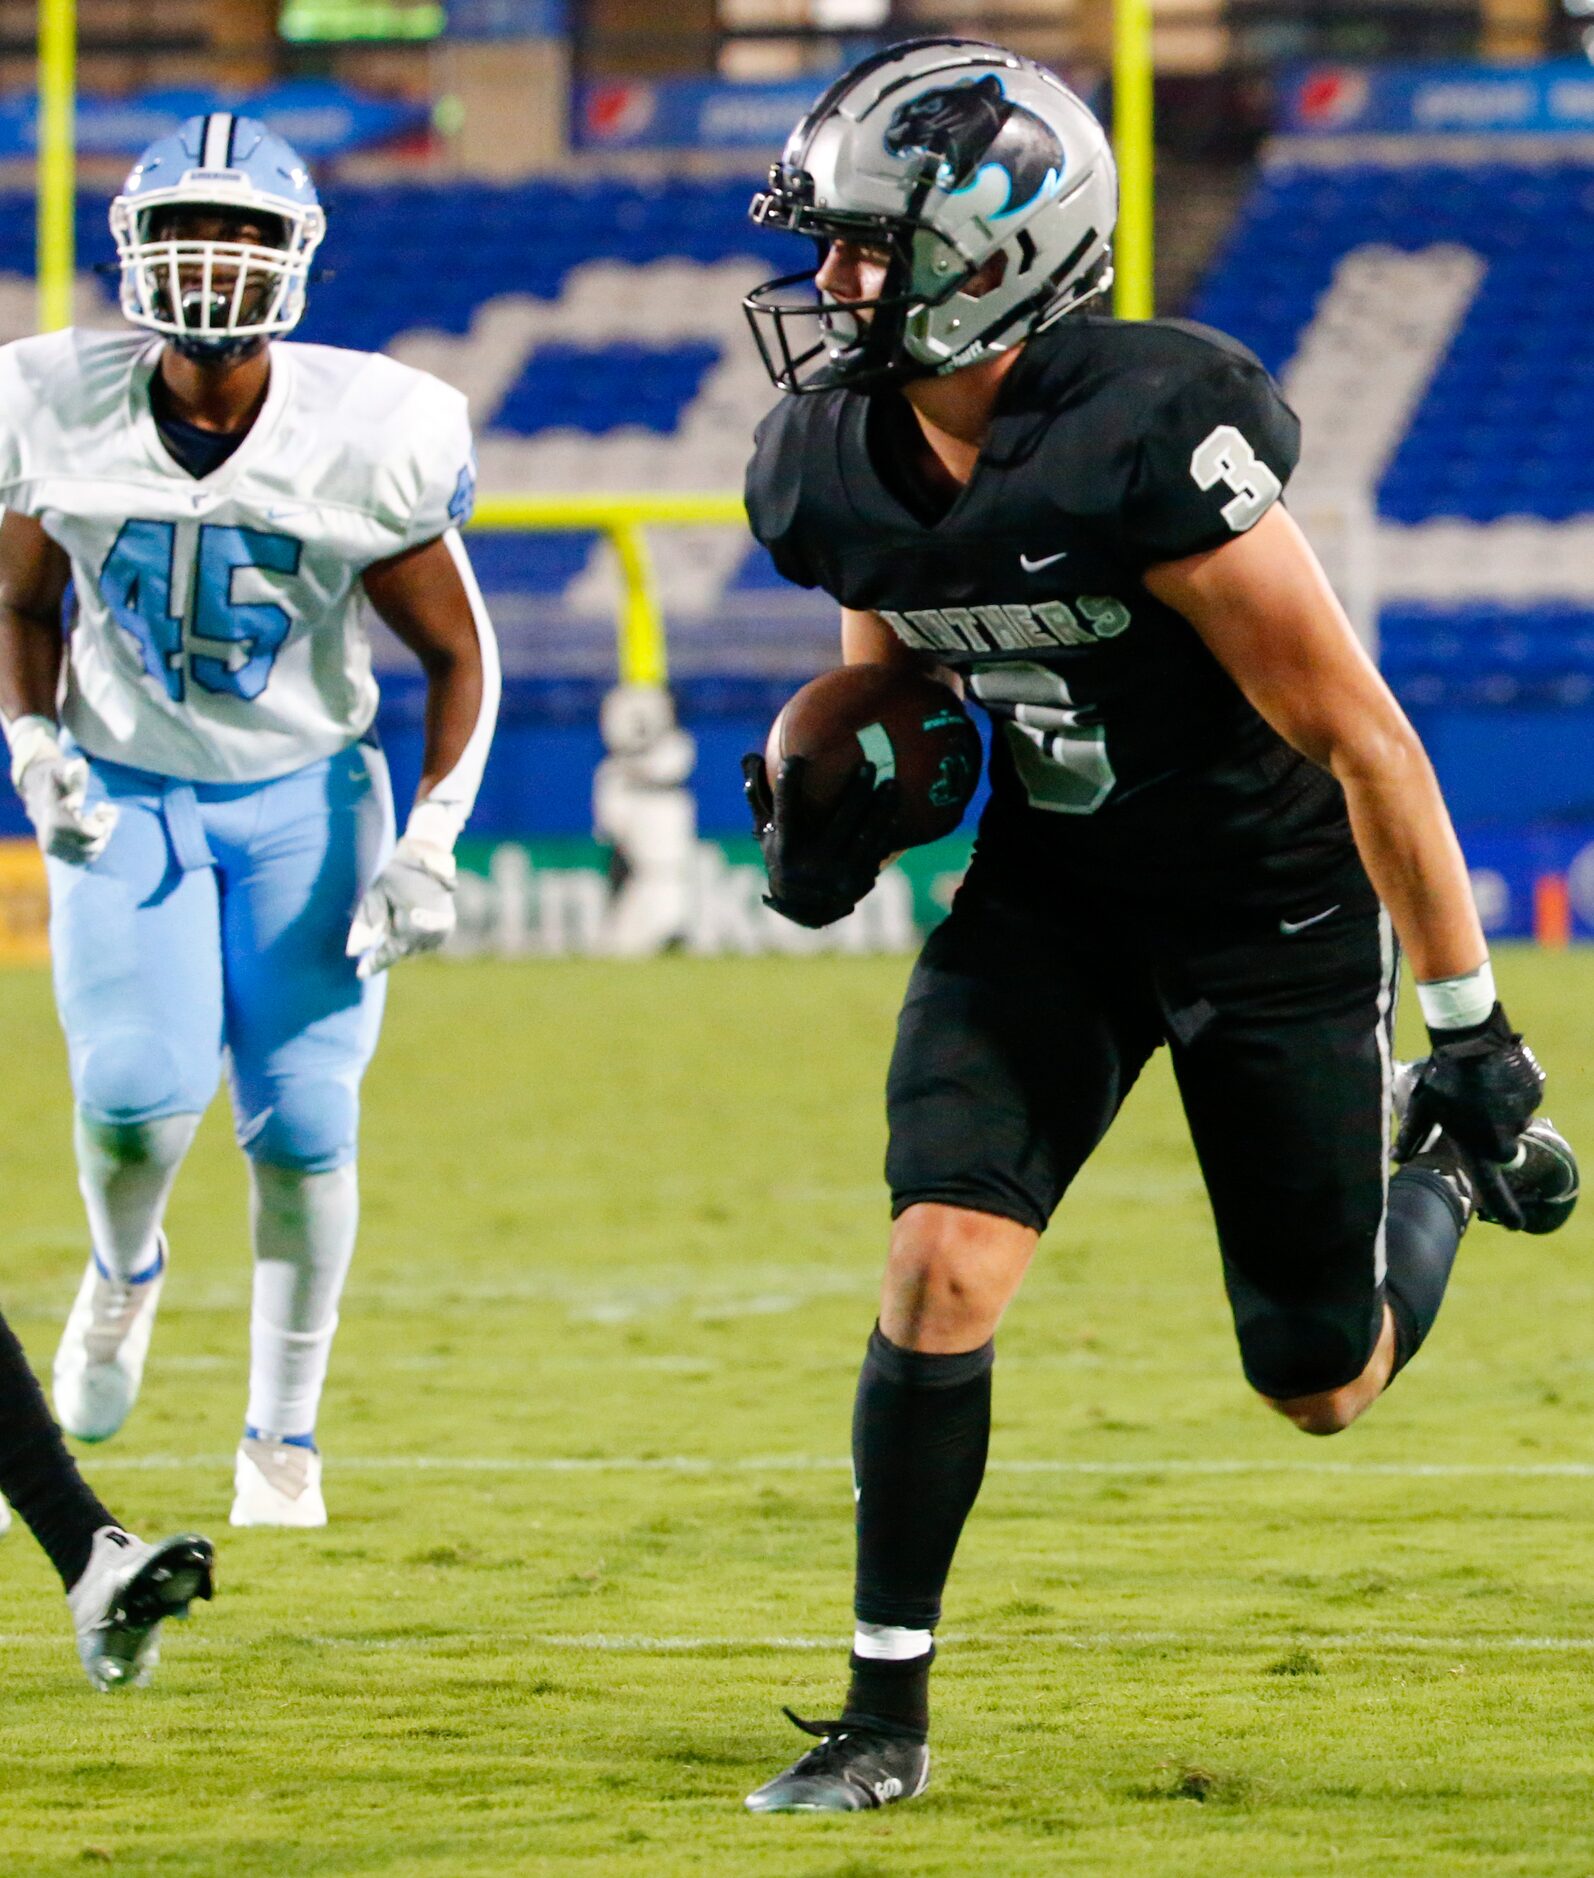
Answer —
180 591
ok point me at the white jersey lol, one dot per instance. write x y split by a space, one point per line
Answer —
220 632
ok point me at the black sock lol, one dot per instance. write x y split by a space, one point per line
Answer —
920 1429
1420 1240
37 1475
890 1698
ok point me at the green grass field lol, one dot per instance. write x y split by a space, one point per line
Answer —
586 1439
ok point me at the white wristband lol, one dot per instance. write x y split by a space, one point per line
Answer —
434 824
1458 1003
30 738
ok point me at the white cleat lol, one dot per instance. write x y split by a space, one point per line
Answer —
126 1592
100 1363
277 1484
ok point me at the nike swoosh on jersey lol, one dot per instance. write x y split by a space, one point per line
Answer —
1034 567
1288 926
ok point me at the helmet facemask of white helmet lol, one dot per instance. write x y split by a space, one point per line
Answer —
979 182
214 293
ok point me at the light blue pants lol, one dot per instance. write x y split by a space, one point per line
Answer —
212 929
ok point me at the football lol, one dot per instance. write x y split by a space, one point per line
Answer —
909 726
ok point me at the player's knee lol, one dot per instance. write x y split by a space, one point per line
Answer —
127 1077
935 1247
954 1268
311 1127
114 1147
1307 1361
1327 1414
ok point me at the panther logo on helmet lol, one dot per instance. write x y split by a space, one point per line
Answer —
973 127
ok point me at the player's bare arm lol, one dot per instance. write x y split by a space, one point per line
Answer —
53 785
33 577
1264 608
866 639
421 597
429 598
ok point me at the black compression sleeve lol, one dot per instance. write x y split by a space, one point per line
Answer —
37 1474
1421 1239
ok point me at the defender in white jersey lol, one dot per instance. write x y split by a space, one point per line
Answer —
220 513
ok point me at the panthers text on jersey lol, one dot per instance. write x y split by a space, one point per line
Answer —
219 629
1123 747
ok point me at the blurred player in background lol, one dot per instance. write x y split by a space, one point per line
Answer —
211 800
119 1589
643 810
1203 800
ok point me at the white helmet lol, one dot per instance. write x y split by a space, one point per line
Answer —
216 298
946 153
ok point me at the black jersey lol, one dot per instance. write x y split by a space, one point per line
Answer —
1122 745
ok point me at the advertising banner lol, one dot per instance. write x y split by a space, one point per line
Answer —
507 19
690 114
1438 99
551 897
319 118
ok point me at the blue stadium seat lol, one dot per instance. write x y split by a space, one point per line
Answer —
1504 428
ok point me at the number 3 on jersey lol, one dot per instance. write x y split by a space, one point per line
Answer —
227 644
1226 457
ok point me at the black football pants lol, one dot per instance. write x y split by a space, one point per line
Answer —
1021 1035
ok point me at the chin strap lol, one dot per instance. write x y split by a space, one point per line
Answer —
217 351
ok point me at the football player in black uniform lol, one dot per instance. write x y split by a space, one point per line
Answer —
1208 821
118 1589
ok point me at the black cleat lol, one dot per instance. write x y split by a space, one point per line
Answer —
1543 1179
851 1771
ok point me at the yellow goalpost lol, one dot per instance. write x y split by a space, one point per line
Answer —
24 900
57 162
1132 123
642 656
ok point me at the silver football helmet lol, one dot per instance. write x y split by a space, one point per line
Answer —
944 154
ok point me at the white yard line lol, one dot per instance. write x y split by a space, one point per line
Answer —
1105 1641
1226 1640
821 1463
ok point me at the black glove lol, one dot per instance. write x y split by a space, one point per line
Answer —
820 866
1480 1085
